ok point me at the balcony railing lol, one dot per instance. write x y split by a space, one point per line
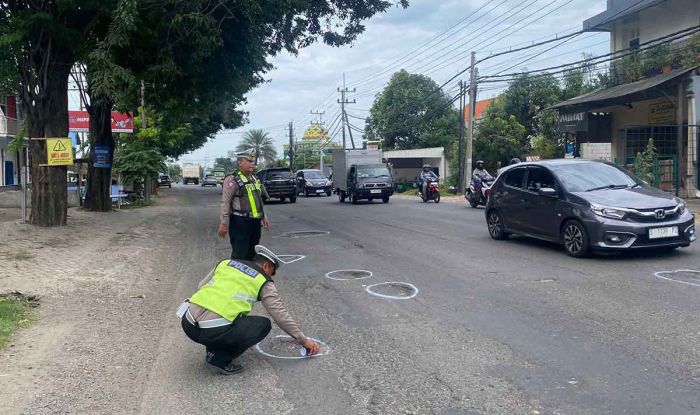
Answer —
8 126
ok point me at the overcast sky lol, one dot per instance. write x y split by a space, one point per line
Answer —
309 81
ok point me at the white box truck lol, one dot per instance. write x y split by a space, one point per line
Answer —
361 174
190 173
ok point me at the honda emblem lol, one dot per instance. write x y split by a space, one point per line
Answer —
660 213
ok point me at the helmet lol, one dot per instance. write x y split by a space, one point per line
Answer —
514 160
480 164
427 166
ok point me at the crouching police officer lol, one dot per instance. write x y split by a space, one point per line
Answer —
216 316
242 213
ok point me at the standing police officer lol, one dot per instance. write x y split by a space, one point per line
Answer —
242 213
216 316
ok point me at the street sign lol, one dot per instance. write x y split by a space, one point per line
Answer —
59 152
101 159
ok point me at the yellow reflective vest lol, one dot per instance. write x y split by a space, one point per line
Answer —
233 289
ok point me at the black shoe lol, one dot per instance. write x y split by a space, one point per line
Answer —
229 369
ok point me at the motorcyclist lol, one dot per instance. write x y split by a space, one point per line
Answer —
480 175
514 160
427 176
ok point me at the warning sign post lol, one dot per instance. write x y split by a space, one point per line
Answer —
59 152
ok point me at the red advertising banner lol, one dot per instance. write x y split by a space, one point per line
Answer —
79 121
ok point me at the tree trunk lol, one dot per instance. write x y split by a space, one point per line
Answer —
99 185
49 119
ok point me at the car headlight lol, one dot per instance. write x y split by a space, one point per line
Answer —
609 212
680 208
361 186
308 183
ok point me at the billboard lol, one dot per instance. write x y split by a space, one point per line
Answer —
79 121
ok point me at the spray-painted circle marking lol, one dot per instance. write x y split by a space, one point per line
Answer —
293 348
304 234
683 276
409 289
288 259
349 274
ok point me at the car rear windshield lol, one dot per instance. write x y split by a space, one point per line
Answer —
314 175
279 174
372 171
582 177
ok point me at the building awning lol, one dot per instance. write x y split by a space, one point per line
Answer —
617 94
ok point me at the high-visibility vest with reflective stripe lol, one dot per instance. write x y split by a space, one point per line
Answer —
232 290
250 193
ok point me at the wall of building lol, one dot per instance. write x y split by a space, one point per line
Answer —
654 22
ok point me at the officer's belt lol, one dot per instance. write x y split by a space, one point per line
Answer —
243 214
206 324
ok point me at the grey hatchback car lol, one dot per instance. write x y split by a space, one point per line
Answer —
586 206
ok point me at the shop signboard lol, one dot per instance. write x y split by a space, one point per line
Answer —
573 122
663 112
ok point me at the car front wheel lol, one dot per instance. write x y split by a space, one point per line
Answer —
496 228
575 239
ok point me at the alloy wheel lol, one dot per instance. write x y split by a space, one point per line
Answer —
495 225
573 238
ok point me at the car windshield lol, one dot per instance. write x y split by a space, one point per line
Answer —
586 177
210 176
314 175
372 171
279 174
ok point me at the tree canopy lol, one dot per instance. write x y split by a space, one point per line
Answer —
411 112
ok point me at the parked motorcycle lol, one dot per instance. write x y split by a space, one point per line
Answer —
475 199
432 192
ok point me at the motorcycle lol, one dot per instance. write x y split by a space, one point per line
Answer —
475 199
432 192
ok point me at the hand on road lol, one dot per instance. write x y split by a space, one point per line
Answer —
311 346
223 230
266 224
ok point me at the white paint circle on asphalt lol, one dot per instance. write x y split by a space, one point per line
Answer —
293 347
304 234
349 274
680 275
288 259
372 289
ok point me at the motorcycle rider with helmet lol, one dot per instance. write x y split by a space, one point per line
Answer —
427 176
479 176
514 160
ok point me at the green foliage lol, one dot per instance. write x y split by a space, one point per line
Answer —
499 137
225 163
644 163
15 313
548 142
527 95
262 143
134 162
17 143
409 113
175 172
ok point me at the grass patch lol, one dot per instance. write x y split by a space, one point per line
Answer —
410 192
15 312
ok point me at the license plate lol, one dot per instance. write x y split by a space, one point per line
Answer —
375 191
320 191
667 232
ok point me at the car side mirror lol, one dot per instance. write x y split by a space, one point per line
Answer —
547 192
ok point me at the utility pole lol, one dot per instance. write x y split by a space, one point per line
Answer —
343 115
460 155
291 146
472 113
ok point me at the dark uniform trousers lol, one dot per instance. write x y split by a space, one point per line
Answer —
244 234
228 342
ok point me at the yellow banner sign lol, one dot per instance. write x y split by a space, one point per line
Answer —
59 152
662 113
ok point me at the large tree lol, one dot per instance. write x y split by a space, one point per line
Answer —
499 137
527 95
411 112
199 58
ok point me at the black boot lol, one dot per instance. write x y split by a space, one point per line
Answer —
229 369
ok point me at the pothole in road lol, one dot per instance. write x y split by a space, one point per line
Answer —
393 290
304 234
288 259
683 276
284 347
348 274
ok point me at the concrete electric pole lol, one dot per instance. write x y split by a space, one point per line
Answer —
343 115
472 113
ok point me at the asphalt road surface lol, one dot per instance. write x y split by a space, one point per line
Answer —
497 327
